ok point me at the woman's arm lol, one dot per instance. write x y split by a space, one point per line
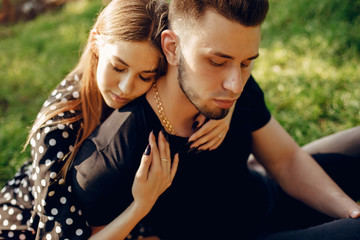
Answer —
344 142
153 177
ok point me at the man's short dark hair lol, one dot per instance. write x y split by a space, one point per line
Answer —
249 13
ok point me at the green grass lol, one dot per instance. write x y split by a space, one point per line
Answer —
309 66
34 57
308 69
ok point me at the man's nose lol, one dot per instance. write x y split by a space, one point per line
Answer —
234 81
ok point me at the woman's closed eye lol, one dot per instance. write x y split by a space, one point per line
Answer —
118 69
146 79
143 78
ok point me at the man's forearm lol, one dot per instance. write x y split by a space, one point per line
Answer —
304 179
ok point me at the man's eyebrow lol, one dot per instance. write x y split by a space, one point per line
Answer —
223 55
254 57
116 58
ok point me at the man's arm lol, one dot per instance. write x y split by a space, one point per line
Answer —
299 174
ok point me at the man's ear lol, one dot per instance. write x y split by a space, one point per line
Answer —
169 43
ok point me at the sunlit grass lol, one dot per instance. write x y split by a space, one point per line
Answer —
309 66
34 57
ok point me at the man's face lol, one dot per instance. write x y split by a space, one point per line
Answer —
215 62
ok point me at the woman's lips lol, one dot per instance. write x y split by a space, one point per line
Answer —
119 99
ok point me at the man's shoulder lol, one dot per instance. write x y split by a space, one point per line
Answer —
251 105
252 86
251 94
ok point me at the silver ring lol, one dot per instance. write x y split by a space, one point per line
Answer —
164 159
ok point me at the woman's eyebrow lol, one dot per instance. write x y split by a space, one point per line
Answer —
150 71
116 58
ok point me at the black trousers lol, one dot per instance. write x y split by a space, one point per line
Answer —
291 219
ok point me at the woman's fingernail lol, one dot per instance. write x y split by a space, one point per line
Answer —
191 150
199 151
194 126
355 213
147 150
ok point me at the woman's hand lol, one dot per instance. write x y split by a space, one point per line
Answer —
210 135
153 177
155 173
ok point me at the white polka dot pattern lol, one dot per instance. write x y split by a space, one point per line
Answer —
34 198
35 201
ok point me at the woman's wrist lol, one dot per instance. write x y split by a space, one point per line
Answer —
140 209
120 227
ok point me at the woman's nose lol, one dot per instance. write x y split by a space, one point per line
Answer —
126 83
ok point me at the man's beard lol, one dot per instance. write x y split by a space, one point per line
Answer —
193 97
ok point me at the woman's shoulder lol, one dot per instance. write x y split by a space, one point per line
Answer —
68 89
63 123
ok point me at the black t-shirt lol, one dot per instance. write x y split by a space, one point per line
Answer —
211 193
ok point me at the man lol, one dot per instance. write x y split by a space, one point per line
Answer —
210 48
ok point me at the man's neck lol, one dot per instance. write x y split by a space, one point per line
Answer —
178 110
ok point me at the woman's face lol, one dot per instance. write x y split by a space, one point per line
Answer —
125 71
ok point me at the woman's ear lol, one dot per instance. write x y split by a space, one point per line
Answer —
169 43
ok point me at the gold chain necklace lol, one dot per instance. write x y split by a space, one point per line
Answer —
164 120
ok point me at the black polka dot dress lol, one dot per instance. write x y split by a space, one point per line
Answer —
37 203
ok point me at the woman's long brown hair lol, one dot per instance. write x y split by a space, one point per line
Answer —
125 20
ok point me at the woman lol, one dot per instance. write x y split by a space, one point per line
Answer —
120 62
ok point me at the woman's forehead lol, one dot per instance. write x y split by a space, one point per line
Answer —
140 55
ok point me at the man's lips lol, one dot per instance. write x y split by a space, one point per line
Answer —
224 103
